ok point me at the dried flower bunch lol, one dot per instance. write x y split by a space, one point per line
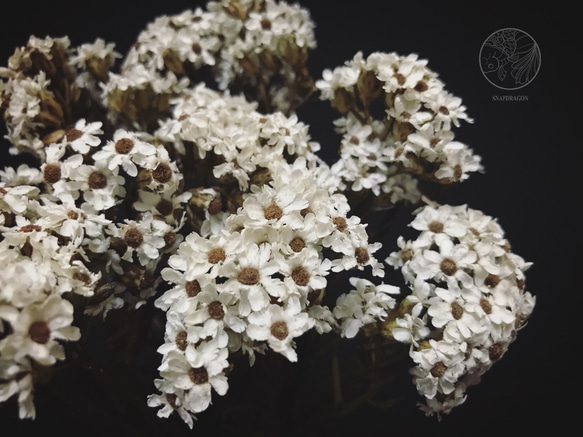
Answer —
186 180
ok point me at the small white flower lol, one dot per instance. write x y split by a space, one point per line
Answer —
366 304
126 149
84 136
37 330
278 327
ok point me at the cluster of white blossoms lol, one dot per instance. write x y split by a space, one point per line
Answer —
467 300
396 125
255 47
43 83
257 282
210 203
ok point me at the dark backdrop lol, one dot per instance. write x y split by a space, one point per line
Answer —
531 151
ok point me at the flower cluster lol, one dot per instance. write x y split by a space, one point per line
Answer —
466 304
185 182
387 149
258 282
258 48
46 88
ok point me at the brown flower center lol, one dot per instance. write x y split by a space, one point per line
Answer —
97 180
400 78
133 238
181 341
297 244
73 134
52 173
495 351
421 86
492 280
196 48
486 305
192 288
340 223
435 227
457 311
124 146
215 206
438 369
39 332
362 256
279 330
165 207
457 172
216 310
162 173
448 266
216 255
272 212
171 399
198 375
265 24
169 239
248 276
300 276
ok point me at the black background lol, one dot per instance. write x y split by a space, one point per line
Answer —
531 151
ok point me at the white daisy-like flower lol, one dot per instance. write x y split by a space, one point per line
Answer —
278 327
198 255
436 220
251 278
37 330
126 149
144 237
83 136
304 272
448 263
198 370
439 368
449 310
102 188
216 312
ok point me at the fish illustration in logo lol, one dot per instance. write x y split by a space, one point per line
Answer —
510 50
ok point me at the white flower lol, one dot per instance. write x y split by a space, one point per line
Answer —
198 255
366 304
198 370
17 379
171 401
126 149
411 328
251 277
439 368
448 262
449 309
443 219
102 188
216 312
83 136
37 330
144 237
279 327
